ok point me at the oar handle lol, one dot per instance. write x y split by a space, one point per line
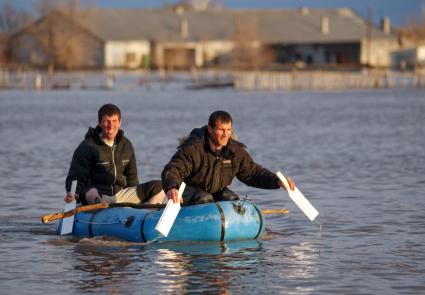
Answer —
92 207
59 215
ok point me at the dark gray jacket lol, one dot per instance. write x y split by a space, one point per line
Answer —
97 165
196 164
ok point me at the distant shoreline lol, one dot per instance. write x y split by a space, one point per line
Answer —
116 79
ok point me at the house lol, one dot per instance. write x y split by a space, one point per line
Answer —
4 38
182 38
408 58
57 39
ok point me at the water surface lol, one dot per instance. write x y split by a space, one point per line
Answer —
357 155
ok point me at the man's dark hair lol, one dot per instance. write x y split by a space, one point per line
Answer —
108 110
221 116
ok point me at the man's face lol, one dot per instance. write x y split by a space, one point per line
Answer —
110 126
220 135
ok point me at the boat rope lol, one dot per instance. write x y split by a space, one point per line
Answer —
260 219
223 221
152 241
245 200
98 223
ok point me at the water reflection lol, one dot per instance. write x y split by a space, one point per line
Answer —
305 257
120 267
101 267
205 267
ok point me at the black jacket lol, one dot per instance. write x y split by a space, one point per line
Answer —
196 164
95 164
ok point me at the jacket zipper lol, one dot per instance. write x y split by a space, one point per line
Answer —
115 168
216 175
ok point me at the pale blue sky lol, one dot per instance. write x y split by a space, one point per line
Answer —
400 11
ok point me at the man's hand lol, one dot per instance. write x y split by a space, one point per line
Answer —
69 198
173 194
290 182
93 197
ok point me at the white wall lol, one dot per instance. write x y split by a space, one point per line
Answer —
117 52
421 55
377 52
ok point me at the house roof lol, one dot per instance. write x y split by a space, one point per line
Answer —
272 26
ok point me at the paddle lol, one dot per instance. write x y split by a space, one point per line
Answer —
299 199
59 215
275 211
68 222
52 217
169 215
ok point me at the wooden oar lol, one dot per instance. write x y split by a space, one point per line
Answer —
52 217
59 215
275 211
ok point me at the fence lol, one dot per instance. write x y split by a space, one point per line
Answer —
326 80
200 79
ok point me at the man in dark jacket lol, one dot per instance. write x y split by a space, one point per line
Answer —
209 160
104 165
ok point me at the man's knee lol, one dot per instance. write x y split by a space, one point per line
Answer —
148 189
201 198
227 195
193 195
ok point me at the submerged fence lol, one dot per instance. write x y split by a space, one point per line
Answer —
326 80
201 79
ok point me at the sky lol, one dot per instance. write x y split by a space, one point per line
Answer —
401 12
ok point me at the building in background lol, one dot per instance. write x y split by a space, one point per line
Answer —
4 40
409 58
183 37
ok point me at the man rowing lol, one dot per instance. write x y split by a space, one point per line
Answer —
208 160
104 164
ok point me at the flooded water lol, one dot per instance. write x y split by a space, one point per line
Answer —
358 156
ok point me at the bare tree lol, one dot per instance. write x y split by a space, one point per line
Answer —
59 33
13 19
415 31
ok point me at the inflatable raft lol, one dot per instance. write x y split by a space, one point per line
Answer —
220 221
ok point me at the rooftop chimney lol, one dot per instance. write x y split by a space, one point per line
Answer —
184 28
386 25
324 25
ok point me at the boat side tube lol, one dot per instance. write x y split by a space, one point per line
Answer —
220 221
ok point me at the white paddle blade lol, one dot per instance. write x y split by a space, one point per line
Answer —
299 199
68 222
169 215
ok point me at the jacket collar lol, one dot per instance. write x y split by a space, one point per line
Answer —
202 135
94 133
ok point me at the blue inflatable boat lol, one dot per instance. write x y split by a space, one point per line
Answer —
220 221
